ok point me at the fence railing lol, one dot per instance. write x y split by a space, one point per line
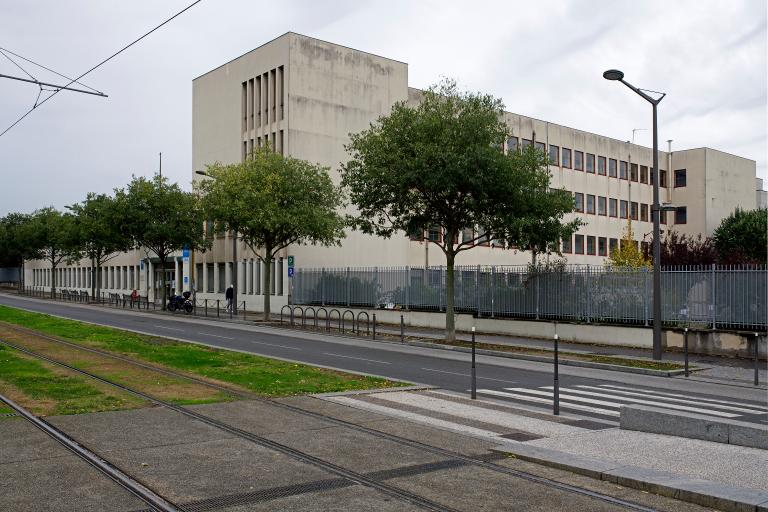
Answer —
723 297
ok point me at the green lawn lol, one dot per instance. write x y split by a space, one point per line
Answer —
257 374
46 391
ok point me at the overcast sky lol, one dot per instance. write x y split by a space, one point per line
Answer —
543 58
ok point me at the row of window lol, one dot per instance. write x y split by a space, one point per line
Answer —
595 245
611 167
599 205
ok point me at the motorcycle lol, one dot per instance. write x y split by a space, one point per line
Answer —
181 303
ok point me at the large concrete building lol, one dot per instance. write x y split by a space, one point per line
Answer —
305 96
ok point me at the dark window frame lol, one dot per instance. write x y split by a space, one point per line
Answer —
587 158
602 165
634 210
578 165
644 174
613 169
594 204
591 248
567 245
566 151
681 210
579 195
602 206
615 204
556 160
623 209
602 246
684 174
576 239
623 170
633 172
643 212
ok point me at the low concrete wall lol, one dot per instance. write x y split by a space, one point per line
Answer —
699 342
694 426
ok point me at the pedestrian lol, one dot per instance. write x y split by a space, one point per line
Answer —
228 295
134 296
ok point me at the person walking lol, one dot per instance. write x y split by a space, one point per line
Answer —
228 295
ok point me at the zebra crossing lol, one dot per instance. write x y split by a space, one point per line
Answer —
604 401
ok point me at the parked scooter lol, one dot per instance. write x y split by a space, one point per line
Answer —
181 303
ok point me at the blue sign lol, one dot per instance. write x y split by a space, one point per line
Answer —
142 264
185 252
186 279
290 271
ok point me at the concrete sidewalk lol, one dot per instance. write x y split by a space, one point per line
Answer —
733 477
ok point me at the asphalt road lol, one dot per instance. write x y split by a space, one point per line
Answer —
584 392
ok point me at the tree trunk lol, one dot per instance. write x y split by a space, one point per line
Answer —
93 278
267 283
450 320
53 278
162 271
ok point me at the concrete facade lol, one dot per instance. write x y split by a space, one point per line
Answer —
305 96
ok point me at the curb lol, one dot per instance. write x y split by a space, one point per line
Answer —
693 490
371 391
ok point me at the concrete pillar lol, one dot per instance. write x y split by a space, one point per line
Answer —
176 280
227 275
216 277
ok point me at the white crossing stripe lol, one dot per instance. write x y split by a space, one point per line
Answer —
661 393
670 399
563 405
576 398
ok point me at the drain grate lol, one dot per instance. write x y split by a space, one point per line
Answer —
521 436
417 469
8 415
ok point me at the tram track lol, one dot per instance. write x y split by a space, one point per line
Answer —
302 456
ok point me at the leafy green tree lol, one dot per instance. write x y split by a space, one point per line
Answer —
741 237
14 248
272 201
439 164
52 236
99 220
161 218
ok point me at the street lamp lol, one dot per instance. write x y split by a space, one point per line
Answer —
233 309
615 74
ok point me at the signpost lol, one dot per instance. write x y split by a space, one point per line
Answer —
291 262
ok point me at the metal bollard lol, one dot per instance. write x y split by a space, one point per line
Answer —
374 326
685 350
218 309
474 371
402 330
556 404
757 360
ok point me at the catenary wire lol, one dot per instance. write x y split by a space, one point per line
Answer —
101 64
6 50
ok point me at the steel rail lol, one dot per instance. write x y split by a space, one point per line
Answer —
359 428
132 485
350 475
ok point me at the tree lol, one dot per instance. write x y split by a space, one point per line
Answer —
14 248
677 249
161 218
52 236
627 254
272 201
99 220
439 165
741 237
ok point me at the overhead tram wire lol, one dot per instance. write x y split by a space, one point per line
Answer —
101 64
6 51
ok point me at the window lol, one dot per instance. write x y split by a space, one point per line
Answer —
601 165
591 163
613 244
467 235
578 202
633 210
602 246
567 245
578 161
416 235
681 215
566 158
643 174
612 168
680 178
483 237
511 144
644 212
633 172
591 245
540 146
623 209
434 234
591 204
623 170
663 217
663 180
613 207
579 244
554 155
601 206
526 143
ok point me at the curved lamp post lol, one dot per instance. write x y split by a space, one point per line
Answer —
616 75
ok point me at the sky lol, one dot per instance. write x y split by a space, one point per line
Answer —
544 59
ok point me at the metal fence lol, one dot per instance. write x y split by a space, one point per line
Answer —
723 297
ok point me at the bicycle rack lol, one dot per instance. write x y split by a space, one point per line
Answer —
367 323
290 312
328 320
314 316
293 315
343 316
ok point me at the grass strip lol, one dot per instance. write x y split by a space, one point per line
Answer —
269 377
46 391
